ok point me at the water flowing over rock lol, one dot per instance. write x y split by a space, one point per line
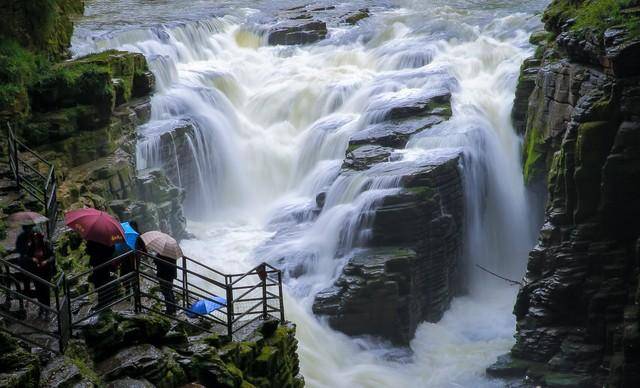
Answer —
411 269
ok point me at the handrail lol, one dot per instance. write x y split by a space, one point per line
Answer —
44 190
233 311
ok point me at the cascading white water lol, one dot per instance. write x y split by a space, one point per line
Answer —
271 127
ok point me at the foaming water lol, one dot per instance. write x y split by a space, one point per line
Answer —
270 129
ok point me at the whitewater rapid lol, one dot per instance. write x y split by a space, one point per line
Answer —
272 127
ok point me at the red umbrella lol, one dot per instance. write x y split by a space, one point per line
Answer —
95 225
27 218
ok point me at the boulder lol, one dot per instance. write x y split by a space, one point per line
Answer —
355 16
297 30
143 361
62 373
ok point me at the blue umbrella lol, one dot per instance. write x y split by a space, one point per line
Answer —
130 237
206 306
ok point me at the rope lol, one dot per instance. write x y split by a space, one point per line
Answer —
510 281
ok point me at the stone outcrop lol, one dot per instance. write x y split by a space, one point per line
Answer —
410 268
308 23
129 350
577 312
298 25
95 154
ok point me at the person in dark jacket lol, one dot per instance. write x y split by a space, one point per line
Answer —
128 263
43 259
25 261
167 271
100 254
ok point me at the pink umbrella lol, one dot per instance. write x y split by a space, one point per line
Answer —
27 218
95 225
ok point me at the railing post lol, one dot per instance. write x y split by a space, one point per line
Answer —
13 151
61 344
229 310
265 305
136 288
280 299
185 284
68 294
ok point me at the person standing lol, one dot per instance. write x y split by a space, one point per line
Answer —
25 261
167 271
128 264
44 267
98 255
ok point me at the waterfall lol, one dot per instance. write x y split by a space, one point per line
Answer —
255 133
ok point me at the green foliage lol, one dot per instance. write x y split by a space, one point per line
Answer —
18 70
593 15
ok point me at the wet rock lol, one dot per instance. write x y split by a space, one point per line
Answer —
61 372
506 366
581 286
622 55
356 16
297 31
394 134
18 367
434 102
145 361
411 271
363 157
130 383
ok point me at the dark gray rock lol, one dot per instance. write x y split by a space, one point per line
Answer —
144 361
62 373
355 16
298 30
435 102
412 269
361 158
394 134
130 383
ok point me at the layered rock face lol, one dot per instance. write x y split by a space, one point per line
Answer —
410 268
93 143
577 312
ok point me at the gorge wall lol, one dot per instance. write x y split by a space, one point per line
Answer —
578 106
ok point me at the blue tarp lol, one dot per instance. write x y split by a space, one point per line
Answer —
130 237
206 306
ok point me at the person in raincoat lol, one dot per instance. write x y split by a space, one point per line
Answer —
128 264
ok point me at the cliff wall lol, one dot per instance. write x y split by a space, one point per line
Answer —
578 104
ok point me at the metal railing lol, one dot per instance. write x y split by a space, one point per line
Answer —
53 333
249 297
42 184
242 298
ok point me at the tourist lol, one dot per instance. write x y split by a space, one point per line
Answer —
167 271
98 255
44 267
128 264
25 261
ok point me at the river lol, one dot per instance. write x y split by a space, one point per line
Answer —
272 127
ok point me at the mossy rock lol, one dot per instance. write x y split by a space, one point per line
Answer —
18 368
